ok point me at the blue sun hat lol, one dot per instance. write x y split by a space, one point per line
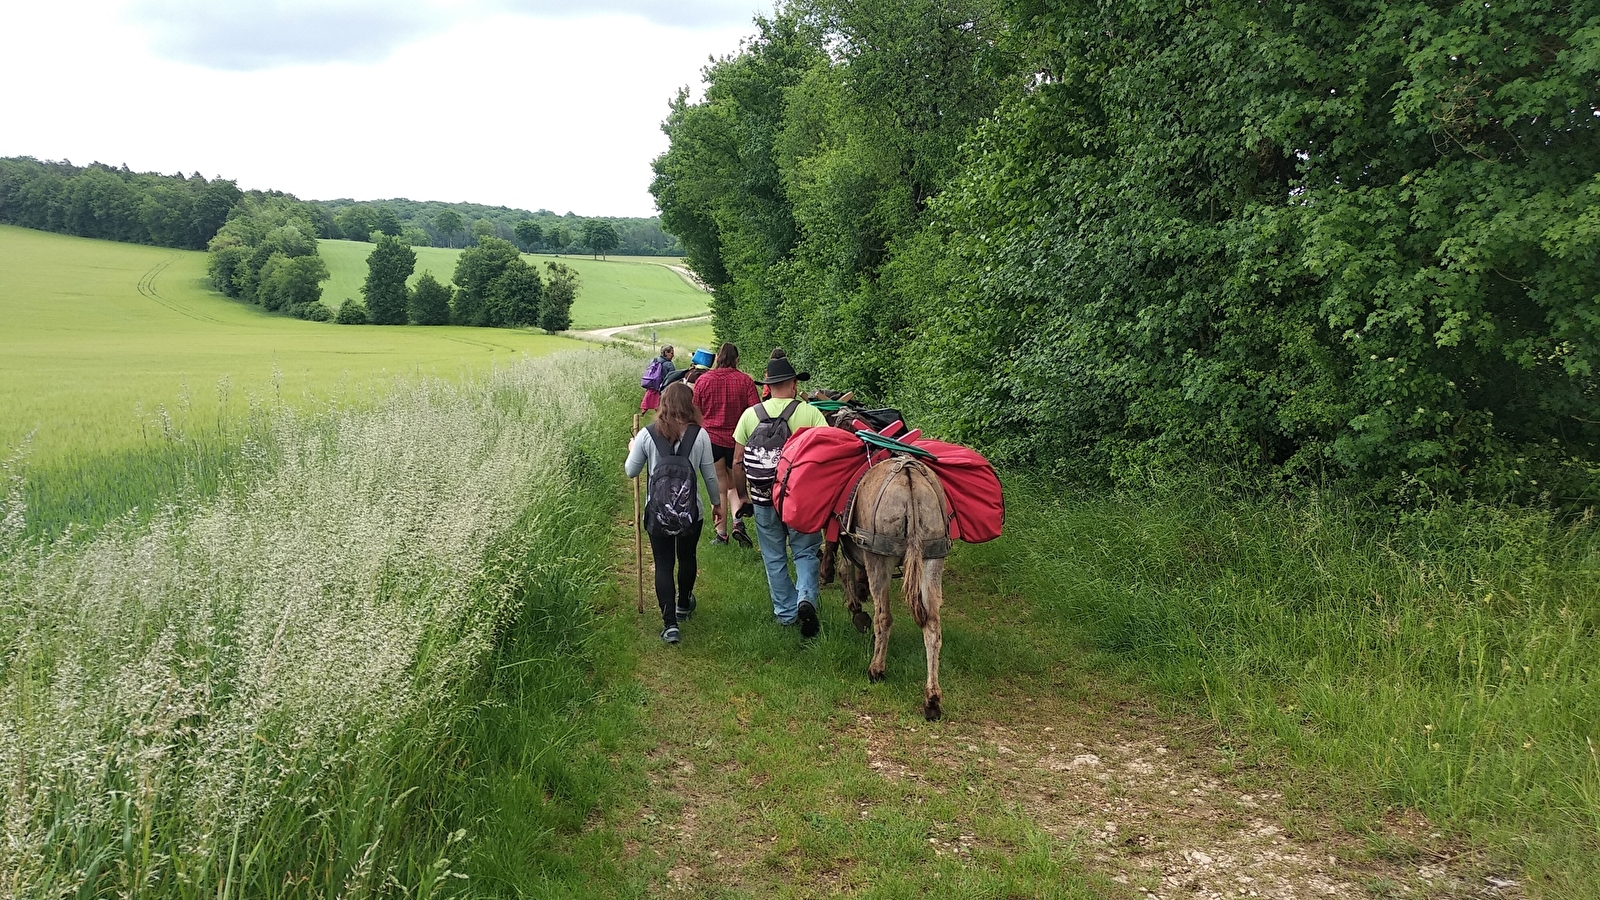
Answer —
704 358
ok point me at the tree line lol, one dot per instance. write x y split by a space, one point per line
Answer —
114 204
1352 244
494 287
431 224
185 212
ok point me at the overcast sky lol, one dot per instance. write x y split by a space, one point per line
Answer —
523 103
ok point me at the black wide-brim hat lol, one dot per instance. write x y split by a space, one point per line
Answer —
780 370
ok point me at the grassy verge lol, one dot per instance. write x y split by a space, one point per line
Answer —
315 684
535 758
1448 664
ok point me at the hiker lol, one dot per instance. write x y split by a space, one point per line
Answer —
757 440
678 451
699 364
655 378
777 353
723 394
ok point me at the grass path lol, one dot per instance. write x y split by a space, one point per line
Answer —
761 767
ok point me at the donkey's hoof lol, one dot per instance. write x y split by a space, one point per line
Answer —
862 621
931 710
876 677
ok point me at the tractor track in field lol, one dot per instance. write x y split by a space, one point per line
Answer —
147 289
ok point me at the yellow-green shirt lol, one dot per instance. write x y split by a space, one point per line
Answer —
807 416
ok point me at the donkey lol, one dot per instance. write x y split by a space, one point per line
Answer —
896 516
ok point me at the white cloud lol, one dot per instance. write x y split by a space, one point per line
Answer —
503 109
246 35
691 14
260 34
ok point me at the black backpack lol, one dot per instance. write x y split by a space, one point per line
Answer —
674 496
761 452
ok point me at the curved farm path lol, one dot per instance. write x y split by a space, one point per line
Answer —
614 332
762 767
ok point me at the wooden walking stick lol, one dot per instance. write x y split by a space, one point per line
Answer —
638 529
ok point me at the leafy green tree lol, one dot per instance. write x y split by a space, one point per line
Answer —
260 228
351 312
1313 241
388 267
477 270
430 301
415 236
210 210
386 222
448 221
555 310
559 237
483 228
600 237
529 234
514 296
293 284
357 223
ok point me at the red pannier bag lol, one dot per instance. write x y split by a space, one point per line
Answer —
979 510
817 467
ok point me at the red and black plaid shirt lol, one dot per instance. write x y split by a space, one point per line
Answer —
722 396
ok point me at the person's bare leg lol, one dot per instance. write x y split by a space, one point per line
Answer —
724 478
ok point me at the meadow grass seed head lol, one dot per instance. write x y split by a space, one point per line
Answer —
195 652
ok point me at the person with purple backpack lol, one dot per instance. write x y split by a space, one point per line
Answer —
655 378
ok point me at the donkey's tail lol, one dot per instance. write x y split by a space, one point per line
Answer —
911 582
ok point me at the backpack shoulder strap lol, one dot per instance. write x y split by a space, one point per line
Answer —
761 412
661 446
691 433
789 410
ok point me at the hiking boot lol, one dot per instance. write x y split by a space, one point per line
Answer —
808 620
740 535
683 612
670 634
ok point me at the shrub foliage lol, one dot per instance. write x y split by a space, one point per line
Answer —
267 254
1349 243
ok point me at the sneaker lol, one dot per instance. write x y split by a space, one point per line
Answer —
685 611
808 620
746 510
740 535
719 539
670 634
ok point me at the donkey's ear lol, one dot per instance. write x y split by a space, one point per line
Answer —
848 396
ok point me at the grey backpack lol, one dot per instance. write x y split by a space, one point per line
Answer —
674 501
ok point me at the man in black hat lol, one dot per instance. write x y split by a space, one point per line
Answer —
757 440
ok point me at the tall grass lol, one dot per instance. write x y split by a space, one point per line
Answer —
258 693
1450 660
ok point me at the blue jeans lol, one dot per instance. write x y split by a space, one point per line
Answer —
786 592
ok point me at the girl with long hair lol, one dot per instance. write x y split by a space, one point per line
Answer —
676 433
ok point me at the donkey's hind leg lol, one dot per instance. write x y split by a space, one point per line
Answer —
880 577
932 636
854 580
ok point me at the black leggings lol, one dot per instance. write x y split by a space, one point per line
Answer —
666 548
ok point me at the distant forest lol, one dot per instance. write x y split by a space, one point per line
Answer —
434 224
117 204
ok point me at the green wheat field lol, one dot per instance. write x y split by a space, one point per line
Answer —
104 342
